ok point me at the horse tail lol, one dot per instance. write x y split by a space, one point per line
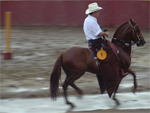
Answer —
54 78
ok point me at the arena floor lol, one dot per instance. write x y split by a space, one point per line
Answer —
35 50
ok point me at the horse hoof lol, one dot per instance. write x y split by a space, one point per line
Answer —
69 103
72 106
80 92
117 103
79 96
134 90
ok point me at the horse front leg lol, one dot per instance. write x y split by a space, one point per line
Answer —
114 96
134 79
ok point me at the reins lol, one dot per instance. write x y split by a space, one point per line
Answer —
126 43
134 32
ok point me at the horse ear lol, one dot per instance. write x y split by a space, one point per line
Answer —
132 21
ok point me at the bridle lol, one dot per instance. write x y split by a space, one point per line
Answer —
134 33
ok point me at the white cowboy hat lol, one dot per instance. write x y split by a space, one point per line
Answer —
92 8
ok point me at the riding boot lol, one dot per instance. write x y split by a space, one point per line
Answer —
93 53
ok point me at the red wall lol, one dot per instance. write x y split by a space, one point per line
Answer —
72 13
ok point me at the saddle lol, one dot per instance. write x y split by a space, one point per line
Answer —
114 49
112 45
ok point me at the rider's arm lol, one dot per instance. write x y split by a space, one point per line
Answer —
103 33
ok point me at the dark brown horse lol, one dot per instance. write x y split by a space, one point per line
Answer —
76 61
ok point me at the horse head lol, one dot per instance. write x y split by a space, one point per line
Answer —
129 33
137 36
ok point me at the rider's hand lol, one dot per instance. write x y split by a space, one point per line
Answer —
107 34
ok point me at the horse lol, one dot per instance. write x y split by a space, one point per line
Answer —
75 61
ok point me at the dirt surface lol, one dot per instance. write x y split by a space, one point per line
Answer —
35 50
115 111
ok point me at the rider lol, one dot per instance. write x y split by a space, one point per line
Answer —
91 28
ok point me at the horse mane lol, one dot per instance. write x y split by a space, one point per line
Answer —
120 28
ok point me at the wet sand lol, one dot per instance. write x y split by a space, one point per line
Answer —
90 103
116 111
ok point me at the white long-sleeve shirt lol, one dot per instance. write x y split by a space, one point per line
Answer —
91 28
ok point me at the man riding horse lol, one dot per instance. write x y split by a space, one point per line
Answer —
75 61
92 30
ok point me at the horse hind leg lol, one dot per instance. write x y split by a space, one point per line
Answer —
65 86
71 83
71 78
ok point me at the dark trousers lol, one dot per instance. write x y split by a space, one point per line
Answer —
95 45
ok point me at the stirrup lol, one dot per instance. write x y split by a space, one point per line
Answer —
97 62
95 58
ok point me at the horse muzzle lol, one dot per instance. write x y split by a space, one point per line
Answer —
140 42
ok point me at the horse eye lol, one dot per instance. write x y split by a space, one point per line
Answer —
138 30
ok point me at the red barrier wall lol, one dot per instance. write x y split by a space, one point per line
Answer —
72 13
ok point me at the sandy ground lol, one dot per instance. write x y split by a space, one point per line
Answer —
115 111
90 103
35 50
